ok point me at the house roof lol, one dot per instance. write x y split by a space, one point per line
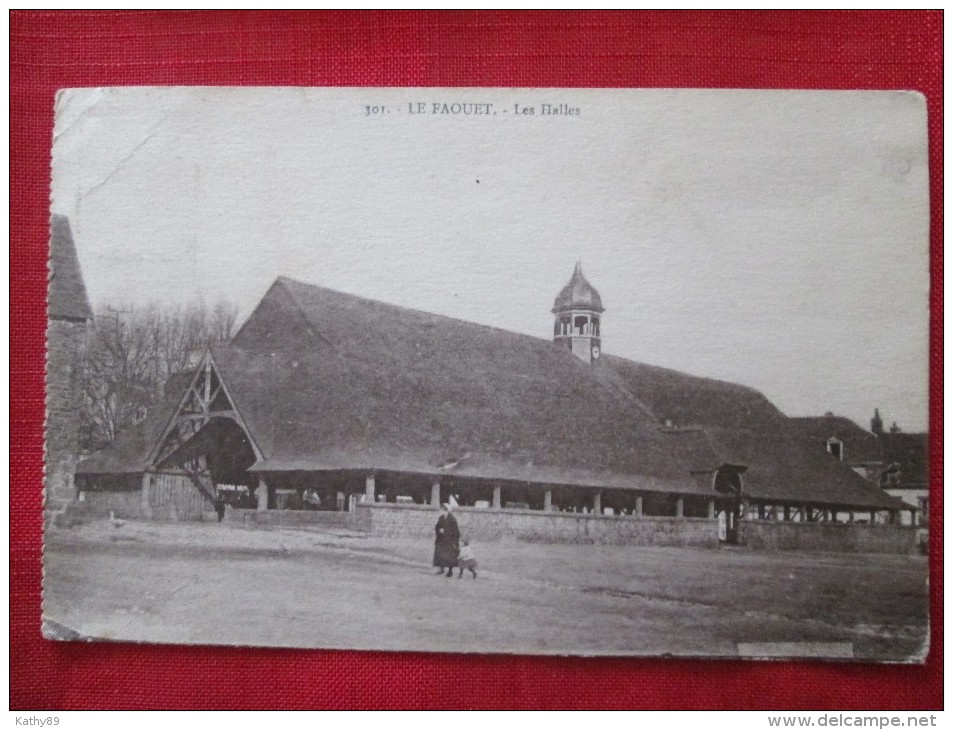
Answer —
68 298
332 381
786 469
860 446
909 451
129 453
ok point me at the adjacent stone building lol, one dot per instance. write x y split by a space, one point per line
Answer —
69 319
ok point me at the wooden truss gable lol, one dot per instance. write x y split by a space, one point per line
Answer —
206 398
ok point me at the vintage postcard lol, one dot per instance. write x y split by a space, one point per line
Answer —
535 371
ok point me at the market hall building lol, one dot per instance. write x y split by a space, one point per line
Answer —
326 405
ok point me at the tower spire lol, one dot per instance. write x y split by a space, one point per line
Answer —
578 311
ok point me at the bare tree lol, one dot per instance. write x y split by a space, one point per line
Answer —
131 354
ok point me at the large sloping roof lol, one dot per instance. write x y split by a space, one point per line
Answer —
331 381
259 384
860 446
359 383
68 298
695 449
688 400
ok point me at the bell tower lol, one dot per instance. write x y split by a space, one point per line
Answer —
578 318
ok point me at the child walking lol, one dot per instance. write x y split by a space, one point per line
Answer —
466 559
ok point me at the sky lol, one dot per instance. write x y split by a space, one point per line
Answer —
777 239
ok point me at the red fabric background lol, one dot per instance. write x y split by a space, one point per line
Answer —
51 50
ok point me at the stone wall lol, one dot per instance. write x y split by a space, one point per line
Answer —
175 498
828 536
483 525
125 504
290 518
172 498
66 343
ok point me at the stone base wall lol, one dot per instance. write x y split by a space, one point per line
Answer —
485 525
829 536
289 518
177 499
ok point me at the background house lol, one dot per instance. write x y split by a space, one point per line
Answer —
904 474
895 461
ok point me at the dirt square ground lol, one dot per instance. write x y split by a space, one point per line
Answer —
217 584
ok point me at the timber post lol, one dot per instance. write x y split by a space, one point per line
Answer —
548 500
369 490
262 494
680 507
497 496
638 507
711 509
597 503
145 508
435 494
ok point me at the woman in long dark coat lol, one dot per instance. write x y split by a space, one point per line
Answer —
447 543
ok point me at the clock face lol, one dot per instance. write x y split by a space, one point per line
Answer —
595 352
